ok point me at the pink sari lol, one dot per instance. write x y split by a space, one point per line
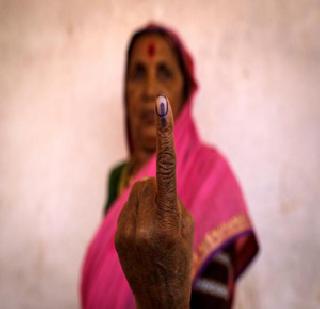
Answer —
207 188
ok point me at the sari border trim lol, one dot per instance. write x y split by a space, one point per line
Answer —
214 239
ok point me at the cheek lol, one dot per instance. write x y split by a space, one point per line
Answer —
133 114
133 94
133 109
176 94
133 91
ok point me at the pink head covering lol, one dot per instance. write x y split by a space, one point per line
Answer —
207 188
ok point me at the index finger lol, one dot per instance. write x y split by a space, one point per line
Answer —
165 155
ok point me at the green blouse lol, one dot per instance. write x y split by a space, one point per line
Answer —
113 185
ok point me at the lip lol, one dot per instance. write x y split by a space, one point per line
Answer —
147 117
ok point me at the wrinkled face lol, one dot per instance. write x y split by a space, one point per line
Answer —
153 70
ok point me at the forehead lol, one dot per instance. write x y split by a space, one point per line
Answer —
152 47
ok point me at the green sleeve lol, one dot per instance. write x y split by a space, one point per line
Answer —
113 184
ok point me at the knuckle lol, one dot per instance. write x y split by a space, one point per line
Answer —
167 210
186 215
122 215
142 188
136 187
187 231
143 237
118 242
189 220
167 156
167 236
166 163
123 238
148 187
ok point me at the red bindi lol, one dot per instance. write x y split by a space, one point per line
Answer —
151 50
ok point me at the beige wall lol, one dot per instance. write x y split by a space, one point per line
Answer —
61 65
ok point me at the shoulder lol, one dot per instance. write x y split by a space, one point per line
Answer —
214 171
210 158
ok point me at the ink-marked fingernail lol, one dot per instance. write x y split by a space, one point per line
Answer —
161 106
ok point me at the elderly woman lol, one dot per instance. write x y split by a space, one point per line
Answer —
176 232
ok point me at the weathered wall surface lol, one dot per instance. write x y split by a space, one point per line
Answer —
61 129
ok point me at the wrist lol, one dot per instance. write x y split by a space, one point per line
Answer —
158 304
163 299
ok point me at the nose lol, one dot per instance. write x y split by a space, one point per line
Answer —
151 89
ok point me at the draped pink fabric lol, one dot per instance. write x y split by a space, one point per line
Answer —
207 188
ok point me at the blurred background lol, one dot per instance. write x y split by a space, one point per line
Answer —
61 129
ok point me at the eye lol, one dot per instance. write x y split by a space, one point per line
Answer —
164 72
138 72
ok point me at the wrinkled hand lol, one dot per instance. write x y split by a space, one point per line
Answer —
155 233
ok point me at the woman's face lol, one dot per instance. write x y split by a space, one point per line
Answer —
153 70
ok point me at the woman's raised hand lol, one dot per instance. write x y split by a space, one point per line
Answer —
155 232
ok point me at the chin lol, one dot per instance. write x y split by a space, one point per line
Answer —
149 143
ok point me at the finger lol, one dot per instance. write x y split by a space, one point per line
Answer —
127 217
166 156
187 228
145 211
